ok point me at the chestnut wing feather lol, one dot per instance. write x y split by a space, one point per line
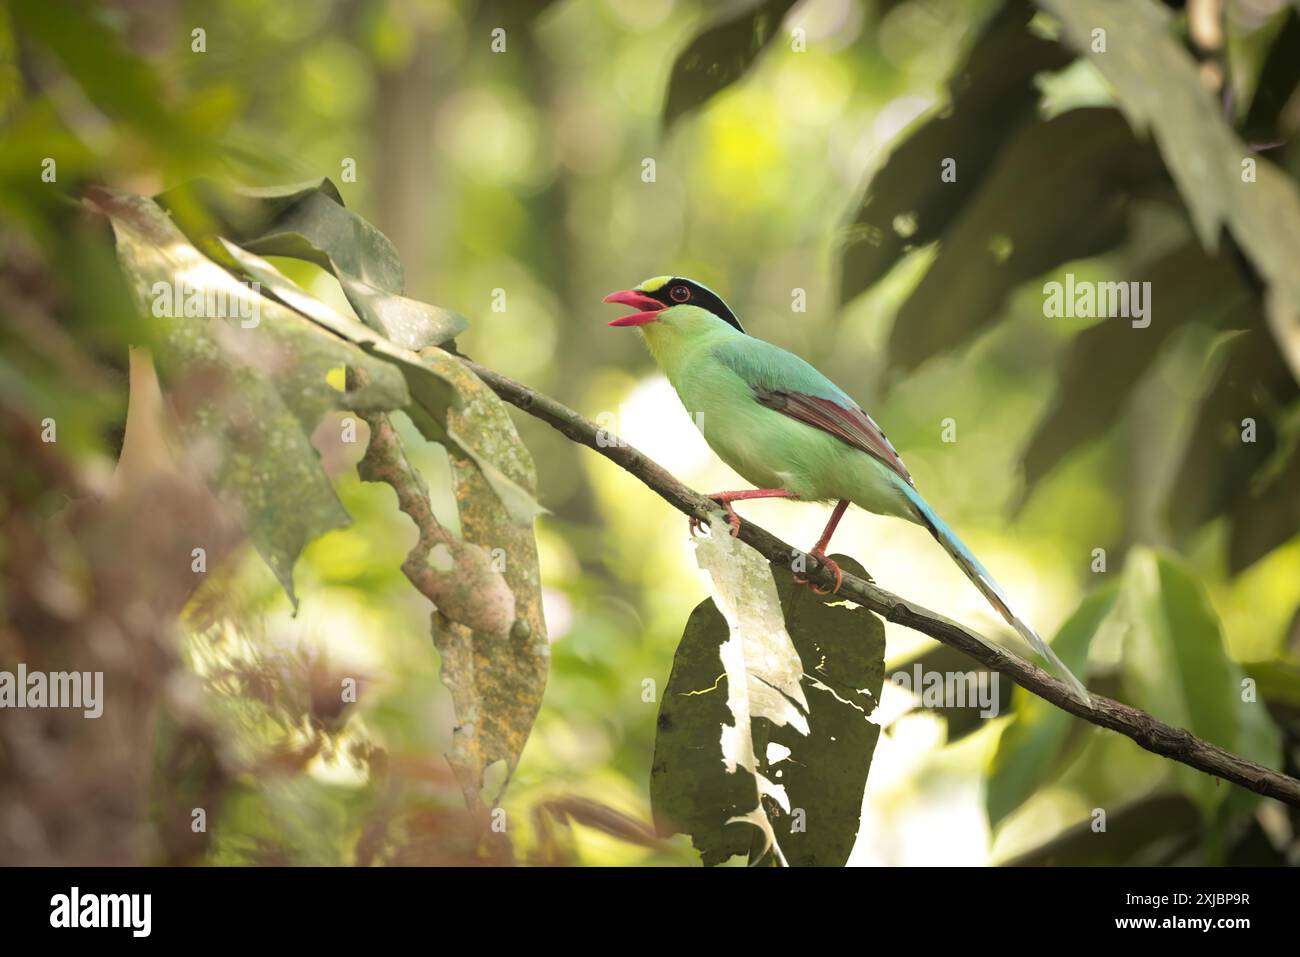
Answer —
849 424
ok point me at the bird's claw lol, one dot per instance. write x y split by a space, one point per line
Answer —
834 568
697 524
829 564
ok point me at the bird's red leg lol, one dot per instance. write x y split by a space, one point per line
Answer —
726 498
819 550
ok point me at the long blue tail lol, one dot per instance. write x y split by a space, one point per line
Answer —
980 577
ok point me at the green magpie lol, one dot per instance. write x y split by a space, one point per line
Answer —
788 429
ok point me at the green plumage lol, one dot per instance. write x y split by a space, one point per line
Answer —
715 370
782 425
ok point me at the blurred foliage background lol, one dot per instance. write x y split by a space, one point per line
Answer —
522 172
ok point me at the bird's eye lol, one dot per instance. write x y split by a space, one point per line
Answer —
679 294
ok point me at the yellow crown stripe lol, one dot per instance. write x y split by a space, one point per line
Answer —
653 285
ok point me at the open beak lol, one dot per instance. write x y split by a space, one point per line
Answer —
637 300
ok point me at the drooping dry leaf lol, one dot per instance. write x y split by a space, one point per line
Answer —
497 678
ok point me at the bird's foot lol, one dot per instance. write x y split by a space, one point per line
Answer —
723 499
829 564
697 526
726 498
732 518
834 569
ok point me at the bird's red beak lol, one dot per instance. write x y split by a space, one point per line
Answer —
637 300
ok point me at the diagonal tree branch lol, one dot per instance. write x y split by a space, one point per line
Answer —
1156 736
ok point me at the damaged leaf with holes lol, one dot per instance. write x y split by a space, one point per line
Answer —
808 774
497 678
496 670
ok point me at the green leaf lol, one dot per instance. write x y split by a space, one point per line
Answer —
801 753
1175 667
434 378
843 653
124 86
1060 192
959 714
763 672
720 56
1029 750
1277 82
308 221
1278 681
250 396
1265 518
906 205
1151 831
1218 468
1104 363
1157 86
691 791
